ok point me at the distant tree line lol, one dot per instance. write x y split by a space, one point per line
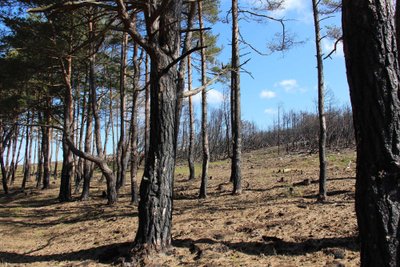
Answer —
293 131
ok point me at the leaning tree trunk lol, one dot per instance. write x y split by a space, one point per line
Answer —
236 175
2 164
321 109
373 76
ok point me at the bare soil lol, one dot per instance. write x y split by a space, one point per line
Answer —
275 222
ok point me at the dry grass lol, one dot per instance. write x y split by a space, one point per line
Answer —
275 222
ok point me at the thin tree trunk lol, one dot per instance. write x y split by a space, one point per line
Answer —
39 172
28 148
321 110
15 168
191 152
236 175
11 171
373 74
46 146
122 159
87 165
204 119
147 109
3 141
56 157
134 127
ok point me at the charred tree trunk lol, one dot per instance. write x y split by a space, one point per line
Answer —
67 171
321 100
204 113
373 75
236 175
28 154
3 141
46 146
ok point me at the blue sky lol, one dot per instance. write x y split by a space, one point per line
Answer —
288 80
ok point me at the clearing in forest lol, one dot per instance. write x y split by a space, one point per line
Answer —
275 222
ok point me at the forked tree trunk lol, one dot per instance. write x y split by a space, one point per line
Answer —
204 113
321 110
373 76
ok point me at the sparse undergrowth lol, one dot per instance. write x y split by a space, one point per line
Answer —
275 222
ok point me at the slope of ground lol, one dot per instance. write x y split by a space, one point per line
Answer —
275 222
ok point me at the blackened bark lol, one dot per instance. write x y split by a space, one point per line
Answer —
28 154
68 161
236 175
46 146
373 76
204 119
321 110
397 21
2 164
156 188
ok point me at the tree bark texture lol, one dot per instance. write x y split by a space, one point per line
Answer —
156 188
373 75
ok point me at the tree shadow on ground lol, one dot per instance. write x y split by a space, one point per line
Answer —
103 254
274 246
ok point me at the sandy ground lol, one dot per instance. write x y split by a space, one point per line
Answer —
275 222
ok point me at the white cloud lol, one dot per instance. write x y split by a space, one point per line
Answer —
290 85
214 97
267 94
329 45
270 111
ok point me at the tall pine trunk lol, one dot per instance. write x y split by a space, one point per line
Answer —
373 75
204 113
236 172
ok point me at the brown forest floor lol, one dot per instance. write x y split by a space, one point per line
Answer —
275 222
